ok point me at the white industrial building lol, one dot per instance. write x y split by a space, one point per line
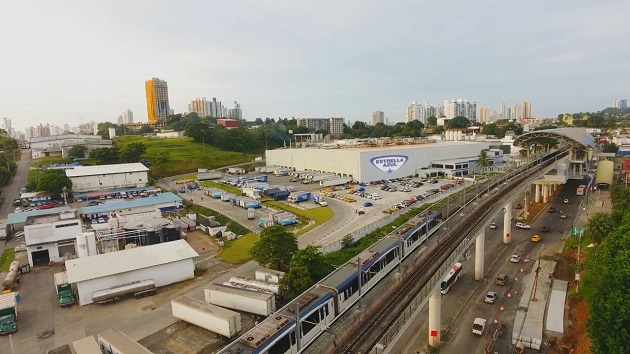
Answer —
60 145
50 237
366 164
164 263
135 209
104 177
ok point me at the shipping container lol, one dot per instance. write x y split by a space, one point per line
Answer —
87 345
114 341
256 302
213 318
334 182
269 275
262 285
209 176
298 197
139 289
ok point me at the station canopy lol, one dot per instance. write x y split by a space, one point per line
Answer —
578 138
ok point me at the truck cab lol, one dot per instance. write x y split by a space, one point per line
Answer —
8 313
8 324
66 297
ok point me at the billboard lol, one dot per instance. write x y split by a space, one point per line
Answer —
389 163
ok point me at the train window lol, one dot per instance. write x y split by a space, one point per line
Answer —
309 323
390 257
283 344
327 310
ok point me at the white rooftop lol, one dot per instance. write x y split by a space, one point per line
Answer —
106 264
80 171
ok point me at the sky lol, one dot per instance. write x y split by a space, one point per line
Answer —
66 60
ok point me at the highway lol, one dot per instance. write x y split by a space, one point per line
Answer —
465 301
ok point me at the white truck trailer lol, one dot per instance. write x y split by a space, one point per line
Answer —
116 342
213 318
269 275
256 302
86 345
334 182
262 285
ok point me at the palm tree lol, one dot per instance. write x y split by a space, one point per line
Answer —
483 160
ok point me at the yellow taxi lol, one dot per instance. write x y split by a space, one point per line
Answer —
535 238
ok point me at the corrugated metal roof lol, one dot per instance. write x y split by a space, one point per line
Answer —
161 198
20 218
577 135
80 171
106 264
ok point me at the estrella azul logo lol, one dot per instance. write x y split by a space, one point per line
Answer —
390 163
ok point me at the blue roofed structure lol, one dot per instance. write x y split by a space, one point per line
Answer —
20 218
163 201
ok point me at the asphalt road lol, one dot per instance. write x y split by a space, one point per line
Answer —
13 189
465 301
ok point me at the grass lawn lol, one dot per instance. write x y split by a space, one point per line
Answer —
229 189
6 259
237 251
184 155
320 214
191 176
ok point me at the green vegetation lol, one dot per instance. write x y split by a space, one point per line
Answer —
6 259
184 155
237 251
188 177
229 189
275 248
319 215
223 220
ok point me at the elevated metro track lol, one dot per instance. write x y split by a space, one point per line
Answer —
389 305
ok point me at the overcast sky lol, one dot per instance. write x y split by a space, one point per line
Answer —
62 60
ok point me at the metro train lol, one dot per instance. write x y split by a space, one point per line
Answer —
328 299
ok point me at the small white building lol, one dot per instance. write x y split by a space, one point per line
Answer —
60 145
105 177
165 263
50 237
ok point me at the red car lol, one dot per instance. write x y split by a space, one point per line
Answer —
47 206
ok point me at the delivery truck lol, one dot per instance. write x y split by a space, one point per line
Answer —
297 197
65 295
334 182
319 199
256 302
8 313
211 317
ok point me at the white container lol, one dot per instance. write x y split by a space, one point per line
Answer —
259 303
116 342
262 285
269 275
213 318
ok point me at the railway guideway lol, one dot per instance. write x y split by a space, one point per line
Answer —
390 333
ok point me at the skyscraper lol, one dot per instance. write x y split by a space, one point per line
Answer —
205 108
236 112
623 104
503 116
615 104
483 114
526 109
378 117
157 100
460 107
420 112
127 117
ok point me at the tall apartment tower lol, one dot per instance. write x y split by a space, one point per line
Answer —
483 114
460 107
378 117
157 100
623 104
420 112
526 109
236 112
127 116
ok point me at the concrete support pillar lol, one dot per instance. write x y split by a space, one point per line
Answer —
537 193
507 223
545 193
479 254
435 318
526 204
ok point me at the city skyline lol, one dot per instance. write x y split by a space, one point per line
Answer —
313 62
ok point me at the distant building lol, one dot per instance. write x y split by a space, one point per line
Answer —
526 109
236 112
158 107
228 123
60 145
460 108
334 126
623 104
378 117
204 108
513 112
484 115
103 177
420 112
127 117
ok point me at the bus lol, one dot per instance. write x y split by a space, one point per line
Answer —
451 278
580 190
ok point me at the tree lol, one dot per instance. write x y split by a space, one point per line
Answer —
599 226
105 156
610 147
145 129
102 129
132 152
313 260
77 151
432 121
275 247
53 182
483 160
295 282
459 122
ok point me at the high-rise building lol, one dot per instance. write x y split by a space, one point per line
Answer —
623 104
420 112
513 112
460 107
205 108
615 104
334 126
127 117
503 115
236 112
378 117
119 120
157 100
483 115
526 109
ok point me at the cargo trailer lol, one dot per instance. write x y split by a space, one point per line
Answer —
206 176
335 182
256 302
114 341
211 317
139 289
269 275
262 285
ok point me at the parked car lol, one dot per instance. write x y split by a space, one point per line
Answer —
367 204
563 215
491 297
536 238
545 229
518 206
515 258
522 225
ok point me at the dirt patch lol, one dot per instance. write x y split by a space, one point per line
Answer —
564 265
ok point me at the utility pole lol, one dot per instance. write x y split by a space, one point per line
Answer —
536 281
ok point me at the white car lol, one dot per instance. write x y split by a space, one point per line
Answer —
522 225
493 226
479 325
491 297
566 201
515 258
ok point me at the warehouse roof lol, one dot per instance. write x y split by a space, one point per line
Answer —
106 264
82 171
160 198
20 218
